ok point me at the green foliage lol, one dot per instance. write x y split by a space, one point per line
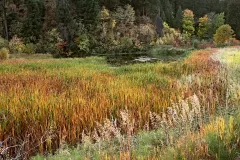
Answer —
4 53
172 37
118 33
195 43
32 19
204 27
223 144
3 43
83 44
167 7
32 27
147 141
126 44
179 18
125 16
48 42
151 7
63 11
16 28
233 15
168 53
216 21
65 20
188 22
87 11
223 34
30 48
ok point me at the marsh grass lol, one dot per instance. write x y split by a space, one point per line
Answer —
68 97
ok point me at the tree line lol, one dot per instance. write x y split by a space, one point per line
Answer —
32 20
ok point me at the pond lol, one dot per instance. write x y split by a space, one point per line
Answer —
165 54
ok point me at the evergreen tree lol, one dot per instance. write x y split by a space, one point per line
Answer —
64 19
34 21
217 21
154 8
204 27
163 16
168 11
50 15
110 4
188 22
233 16
87 11
175 6
4 18
179 17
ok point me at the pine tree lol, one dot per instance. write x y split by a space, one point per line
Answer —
152 8
217 21
167 7
179 18
87 11
233 16
163 16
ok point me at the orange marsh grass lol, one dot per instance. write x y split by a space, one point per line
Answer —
58 102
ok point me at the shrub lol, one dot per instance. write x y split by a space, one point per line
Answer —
205 44
104 14
144 20
147 33
30 48
195 43
167 39
3 42
16 45
126 43
234 42
61 48
83 44
166 51
4 53
173 37
48 43
223 34
169 36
